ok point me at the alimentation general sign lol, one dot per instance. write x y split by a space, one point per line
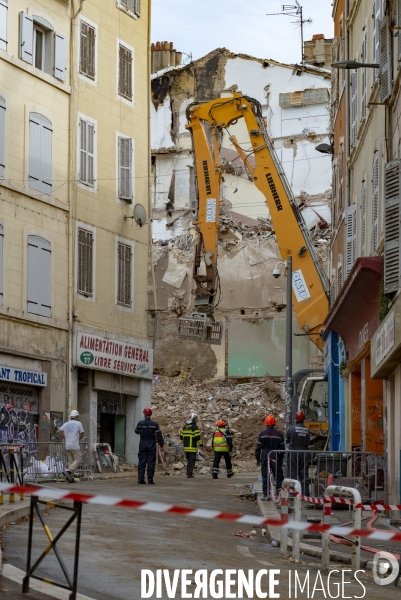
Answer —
113 356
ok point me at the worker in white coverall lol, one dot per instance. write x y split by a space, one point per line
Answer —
72 431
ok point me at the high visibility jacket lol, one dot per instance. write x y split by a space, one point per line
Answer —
191 437
222 440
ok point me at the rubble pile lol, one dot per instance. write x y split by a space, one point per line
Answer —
244 405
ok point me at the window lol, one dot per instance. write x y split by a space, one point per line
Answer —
131 6
340 179
354 107
350 245
311 96
125 169
85 262
3 24
40 153
43 47
399 36
334 195
125 72
2 135
392 220
376 35
39 276
339 275
124 277
385 59
87 51
363 59
363 218
375 202
86 159
1 263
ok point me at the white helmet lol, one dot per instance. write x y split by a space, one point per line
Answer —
194 417
74 413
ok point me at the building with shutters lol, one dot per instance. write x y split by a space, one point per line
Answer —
74 161
365 255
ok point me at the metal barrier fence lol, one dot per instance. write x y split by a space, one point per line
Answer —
315 470
11 467
44 460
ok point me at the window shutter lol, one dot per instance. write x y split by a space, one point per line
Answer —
334 193
40 153
334 78
363 218
3 24
39 276
340 167
339 278
125 168
87 50
87 132
137 8
130 4
1 263
376 34
26 38
364 49
2 134
60 56
385 60
125 72
375 201
124 283
392 228
350 244
332 293
85 262
399 34
354 112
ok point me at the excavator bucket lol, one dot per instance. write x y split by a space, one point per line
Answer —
200 327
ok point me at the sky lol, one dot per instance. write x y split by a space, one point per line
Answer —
197 27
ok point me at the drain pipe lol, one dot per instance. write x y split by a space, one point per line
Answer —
347 105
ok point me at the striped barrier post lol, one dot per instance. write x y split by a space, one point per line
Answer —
334 491
284 519
293 487
326 535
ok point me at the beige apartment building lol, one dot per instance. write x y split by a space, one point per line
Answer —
74 161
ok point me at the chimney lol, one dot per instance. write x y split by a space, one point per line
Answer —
164 56
318 51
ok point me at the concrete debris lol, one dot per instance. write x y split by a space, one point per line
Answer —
178 466
243 405
204 471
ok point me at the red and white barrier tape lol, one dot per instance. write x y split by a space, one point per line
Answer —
340 500
202 513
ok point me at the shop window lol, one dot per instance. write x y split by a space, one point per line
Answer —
39 276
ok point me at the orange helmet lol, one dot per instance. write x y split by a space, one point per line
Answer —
220 423
270 420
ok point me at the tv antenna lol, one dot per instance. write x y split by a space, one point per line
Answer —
290 10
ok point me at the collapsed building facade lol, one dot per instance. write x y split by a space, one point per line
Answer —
295 102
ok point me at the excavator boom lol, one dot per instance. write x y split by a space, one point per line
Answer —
310 285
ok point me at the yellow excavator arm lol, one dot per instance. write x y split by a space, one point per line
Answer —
310 285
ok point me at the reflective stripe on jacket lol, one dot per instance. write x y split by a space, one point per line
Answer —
222 440
191 437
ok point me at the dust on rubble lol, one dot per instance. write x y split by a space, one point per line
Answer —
244 405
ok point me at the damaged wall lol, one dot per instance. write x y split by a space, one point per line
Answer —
295 129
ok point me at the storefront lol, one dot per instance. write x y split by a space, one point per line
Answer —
112 383
355 317
386 365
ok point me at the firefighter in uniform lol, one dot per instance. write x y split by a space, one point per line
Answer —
270 439
222 446
191 438
148 430
298 438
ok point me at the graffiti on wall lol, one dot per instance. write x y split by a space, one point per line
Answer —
19 415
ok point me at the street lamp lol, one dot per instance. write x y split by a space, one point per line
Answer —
353 64
288 341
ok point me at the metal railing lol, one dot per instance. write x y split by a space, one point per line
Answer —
315 470
11 467
44 460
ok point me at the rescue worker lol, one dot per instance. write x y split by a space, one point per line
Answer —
148 430
270 439
72 432
298 438
222 446
191 438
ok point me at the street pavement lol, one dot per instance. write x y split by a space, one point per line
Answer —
116 543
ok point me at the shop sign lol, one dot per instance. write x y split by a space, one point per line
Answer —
384 339
112 356
14 375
